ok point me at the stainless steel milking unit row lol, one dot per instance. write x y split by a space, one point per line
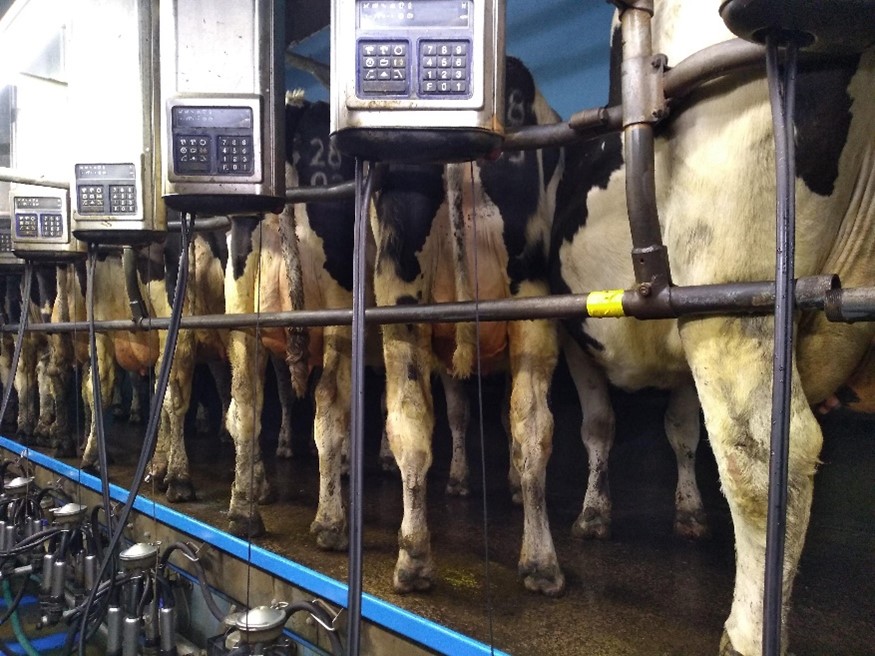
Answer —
384 97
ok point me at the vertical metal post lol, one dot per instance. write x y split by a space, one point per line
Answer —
643 105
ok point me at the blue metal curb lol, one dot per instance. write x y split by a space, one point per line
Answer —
378 611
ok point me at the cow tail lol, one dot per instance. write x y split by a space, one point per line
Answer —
466 334
297 337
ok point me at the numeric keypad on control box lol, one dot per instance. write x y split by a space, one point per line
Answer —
443 68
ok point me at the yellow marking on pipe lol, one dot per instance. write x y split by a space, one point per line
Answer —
608 303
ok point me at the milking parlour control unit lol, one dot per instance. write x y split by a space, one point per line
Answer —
417 80
111 65
222 94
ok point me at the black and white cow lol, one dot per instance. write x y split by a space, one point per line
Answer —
137 351
716 197
423 225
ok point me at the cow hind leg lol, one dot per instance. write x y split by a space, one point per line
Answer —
250 485
597 434
331 431
735 400
682 430
409 426
533 353
458 414
286 395
387 459
176 402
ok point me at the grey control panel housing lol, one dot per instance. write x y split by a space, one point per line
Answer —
112 70
222 102
40 224
430 70
9 261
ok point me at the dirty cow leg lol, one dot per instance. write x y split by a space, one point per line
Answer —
458 414
107 381
173 411
331 431
682 429
409 426
244 423
222 378
735 400
387 460
597 433
533 353
26 387
286 396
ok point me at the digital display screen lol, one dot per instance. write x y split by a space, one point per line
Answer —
382 14
105 171
212 117
37 203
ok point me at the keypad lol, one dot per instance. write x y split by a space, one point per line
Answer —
192 153
5 242
443 68
122 199
383 67
51 226
91 199
26 225
235 155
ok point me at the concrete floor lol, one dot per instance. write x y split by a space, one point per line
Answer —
642 592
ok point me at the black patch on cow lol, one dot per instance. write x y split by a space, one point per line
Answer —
318 162
150 260
512 181
406 207
615 80
218 246
822 120
172 253
405 299
81 271
412 372
847 396
242 228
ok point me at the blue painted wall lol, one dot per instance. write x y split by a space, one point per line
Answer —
565 43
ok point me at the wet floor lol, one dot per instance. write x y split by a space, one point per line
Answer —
642 592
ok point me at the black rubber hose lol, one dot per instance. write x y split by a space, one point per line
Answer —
356 449
15 601
28 543
97 394
322 614
154 418
200 574
19 338
782 92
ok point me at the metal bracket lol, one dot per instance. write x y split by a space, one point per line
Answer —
644 89
335 614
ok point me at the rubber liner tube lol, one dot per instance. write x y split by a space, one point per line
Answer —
782 90
152 426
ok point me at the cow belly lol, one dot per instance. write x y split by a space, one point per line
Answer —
136 352
492 284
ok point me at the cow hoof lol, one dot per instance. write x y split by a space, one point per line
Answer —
246 527
157 479
284 452
63 449
691 526
180 490
267 496
330 537
413 574
458 488
548 581
591 525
